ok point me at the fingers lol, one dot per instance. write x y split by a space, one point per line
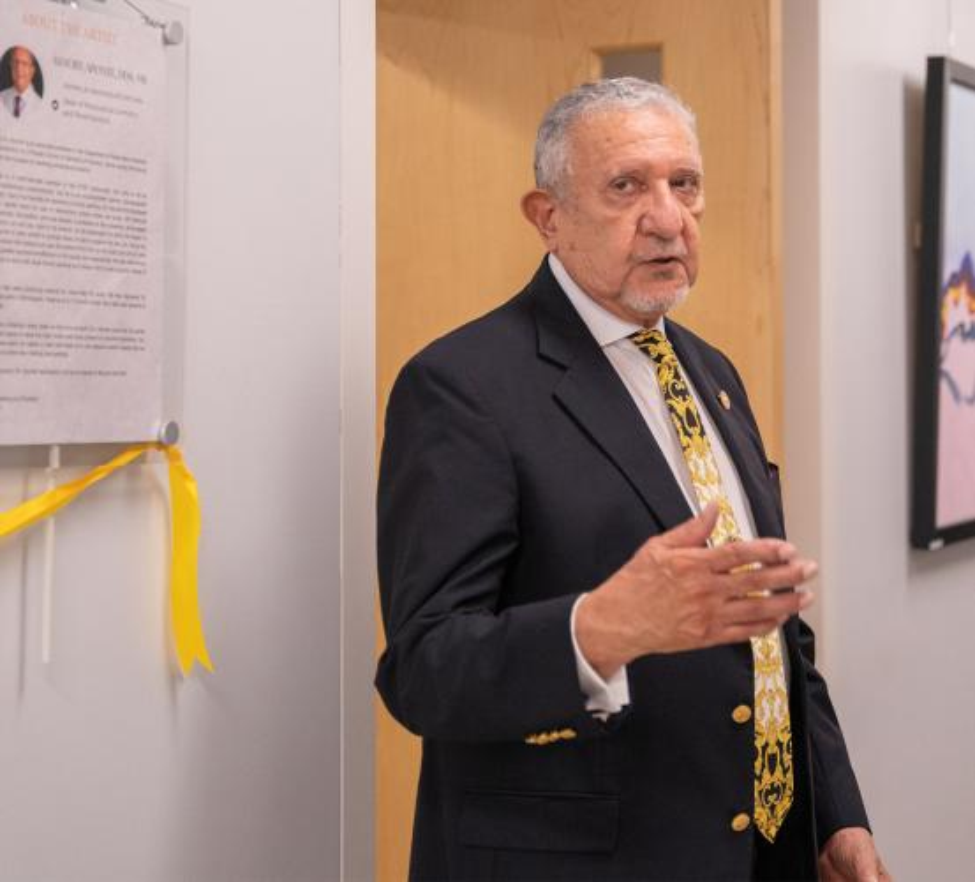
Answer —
759 615
693 533
753 567
740 555
677 593
870 868
756 581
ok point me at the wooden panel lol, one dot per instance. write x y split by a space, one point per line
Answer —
462 85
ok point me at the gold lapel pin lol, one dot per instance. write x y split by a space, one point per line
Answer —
724 399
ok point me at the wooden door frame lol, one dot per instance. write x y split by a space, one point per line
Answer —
357 210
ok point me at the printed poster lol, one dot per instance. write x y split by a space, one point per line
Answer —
82 123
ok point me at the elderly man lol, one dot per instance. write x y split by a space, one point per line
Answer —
604 662
21 98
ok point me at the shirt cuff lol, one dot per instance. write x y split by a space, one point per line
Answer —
603 697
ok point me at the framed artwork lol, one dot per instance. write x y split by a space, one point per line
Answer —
944 389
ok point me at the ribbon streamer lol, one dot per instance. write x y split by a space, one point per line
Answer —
185 514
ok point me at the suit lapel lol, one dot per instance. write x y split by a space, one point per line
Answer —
594 396
732 424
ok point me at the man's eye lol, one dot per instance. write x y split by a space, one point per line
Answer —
624 185
687 184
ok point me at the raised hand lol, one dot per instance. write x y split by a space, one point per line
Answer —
676 594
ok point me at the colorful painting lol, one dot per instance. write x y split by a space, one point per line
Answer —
943 508
956 405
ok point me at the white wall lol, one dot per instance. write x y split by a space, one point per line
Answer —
895 625
111 769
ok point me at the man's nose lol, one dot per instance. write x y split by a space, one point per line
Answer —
661 215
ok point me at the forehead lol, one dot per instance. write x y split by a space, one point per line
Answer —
648 136
21 54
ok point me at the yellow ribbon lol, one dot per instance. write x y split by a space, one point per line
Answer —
185 514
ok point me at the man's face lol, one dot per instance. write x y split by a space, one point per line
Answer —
21 68
626 225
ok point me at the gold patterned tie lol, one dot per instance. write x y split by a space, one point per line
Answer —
773 730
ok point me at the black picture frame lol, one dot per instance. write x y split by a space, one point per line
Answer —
943 503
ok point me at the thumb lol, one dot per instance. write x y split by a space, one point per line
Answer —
692 533
868 871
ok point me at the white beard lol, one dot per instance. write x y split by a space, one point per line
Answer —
646 306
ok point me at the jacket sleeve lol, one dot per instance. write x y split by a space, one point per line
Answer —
459 663
835 790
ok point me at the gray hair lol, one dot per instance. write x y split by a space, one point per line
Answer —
623 93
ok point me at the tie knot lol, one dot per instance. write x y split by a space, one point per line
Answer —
654 344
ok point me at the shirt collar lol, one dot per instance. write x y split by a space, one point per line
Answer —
602 324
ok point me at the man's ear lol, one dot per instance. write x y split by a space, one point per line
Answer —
539 209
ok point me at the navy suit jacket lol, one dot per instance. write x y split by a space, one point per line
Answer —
516 473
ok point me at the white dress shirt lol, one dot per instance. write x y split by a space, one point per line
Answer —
29 100
605 697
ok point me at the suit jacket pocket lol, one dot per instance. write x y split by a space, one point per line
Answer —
531 821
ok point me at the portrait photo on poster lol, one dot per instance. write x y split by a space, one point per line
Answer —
944 411
21 82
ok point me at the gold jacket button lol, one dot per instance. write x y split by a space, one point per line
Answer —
741 714
541 739
740 823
